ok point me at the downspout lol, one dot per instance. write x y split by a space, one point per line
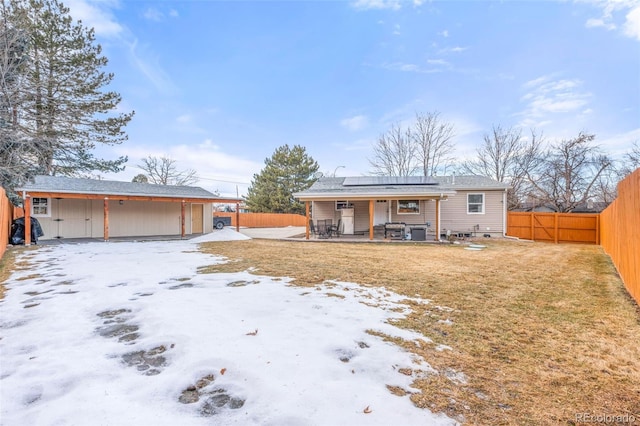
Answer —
504 213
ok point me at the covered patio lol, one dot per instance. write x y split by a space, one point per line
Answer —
376 207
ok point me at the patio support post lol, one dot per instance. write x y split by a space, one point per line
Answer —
27 220
306 208
437 219
106 218
182 208
372 204
238 217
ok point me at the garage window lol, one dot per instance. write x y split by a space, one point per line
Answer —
41 207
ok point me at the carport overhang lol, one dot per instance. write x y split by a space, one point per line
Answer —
27 195
371 197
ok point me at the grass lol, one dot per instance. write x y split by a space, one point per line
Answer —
538 332
7 265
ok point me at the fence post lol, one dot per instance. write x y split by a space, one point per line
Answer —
532 228
555 227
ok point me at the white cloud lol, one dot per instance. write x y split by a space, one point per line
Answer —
547 98
217 169
396 30
632 25
356 123
455 49
444 33
620 143
153 14
376 4
405 67
96 15
617 14
150 68
184 119
438 62
594 23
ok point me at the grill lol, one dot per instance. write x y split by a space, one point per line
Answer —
394 230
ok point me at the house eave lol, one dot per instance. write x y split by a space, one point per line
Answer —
123 196
339 195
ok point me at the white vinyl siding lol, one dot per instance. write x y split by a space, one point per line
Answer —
454 216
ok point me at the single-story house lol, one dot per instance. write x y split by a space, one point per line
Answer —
90 208
440 205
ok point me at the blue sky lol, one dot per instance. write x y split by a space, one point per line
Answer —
219 85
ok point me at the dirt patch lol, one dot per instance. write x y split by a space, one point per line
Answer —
212 399
517 333
149 362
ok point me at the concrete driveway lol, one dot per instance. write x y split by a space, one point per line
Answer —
273 233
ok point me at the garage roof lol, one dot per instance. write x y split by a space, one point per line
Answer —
113 189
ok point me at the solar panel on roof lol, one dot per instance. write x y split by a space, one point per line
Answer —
388 180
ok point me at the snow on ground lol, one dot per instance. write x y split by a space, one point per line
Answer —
130 333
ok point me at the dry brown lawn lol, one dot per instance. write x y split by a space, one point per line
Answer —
541 332
7 265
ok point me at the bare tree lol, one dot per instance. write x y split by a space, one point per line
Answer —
18 157
163 171
394 153
631 159
506 156
433 139
567 173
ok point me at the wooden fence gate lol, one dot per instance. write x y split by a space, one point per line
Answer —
555 227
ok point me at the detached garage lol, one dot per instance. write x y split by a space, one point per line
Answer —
90 208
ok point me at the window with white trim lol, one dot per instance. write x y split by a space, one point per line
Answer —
408 206
475 203
41 207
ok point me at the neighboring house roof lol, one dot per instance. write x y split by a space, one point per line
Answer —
395 186
67 185
588 207
528 206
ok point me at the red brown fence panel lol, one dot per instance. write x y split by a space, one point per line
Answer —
620 233
265 220
555 227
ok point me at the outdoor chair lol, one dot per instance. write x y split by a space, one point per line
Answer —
335 229
329 227
323 231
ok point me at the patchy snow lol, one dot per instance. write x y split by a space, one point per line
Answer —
130 333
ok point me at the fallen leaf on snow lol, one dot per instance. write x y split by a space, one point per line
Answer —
252 333
222 371
367 410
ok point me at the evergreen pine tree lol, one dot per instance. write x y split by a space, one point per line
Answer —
289 170
61 110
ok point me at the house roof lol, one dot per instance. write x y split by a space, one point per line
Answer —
396 187
67 185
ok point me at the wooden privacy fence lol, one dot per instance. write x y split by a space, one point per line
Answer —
6 217
265 220
620 233
555 227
